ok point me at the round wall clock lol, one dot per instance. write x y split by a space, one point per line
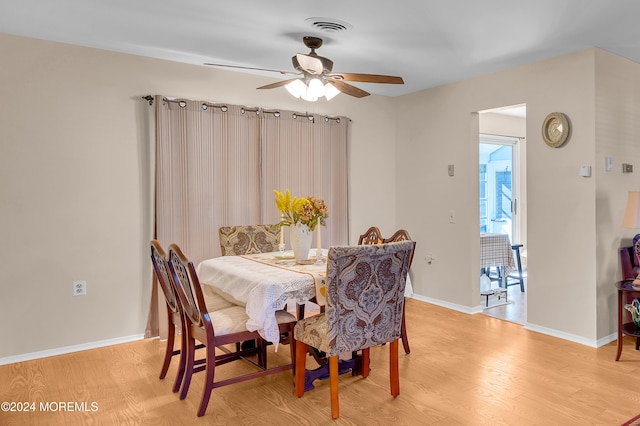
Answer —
555 129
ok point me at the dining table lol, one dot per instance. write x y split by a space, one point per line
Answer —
267 282
496 251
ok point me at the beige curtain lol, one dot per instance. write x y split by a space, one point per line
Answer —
217 165
207 173
308 155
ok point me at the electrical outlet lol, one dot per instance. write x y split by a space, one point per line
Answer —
79 288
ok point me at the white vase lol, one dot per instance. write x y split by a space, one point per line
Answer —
300 236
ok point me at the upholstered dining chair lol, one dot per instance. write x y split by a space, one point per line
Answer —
402 235
215 330
365 298
371 236
249 239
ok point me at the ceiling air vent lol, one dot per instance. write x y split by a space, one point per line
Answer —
328 25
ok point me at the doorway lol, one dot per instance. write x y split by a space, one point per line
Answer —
502 197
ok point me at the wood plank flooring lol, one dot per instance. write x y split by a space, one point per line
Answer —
463 370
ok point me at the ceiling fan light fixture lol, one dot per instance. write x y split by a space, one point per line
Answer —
330 91
316 88
297 88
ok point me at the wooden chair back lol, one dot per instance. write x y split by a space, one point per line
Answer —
399 235
163 275
371 236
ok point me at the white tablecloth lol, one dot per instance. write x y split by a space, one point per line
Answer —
263 284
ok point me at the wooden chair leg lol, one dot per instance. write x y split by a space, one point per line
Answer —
292 349
182 361
403 330
300 366
366 367
208 381
189 361
393 368
333 386
168 352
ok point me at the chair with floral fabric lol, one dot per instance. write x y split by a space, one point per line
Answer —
249 239
365 299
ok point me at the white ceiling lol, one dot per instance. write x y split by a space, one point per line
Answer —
427 42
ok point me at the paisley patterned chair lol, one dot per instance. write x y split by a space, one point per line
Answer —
402 235
250 239
365 300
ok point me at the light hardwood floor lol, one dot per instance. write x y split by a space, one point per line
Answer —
463 370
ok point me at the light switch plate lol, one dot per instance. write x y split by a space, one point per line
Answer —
585 171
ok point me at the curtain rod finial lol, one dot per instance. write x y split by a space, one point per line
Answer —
149 99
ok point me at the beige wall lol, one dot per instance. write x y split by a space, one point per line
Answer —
76 182
617 130
439 126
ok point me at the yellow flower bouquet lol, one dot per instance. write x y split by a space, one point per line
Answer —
308 211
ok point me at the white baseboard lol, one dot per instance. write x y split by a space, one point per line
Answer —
448 305
69 349
594 343
528 326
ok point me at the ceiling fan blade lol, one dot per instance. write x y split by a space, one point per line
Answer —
348 89
367 78
309 64
254 69
277 84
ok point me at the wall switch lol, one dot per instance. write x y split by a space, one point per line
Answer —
79 288
608 164
452 216
450 169
585 171
627 168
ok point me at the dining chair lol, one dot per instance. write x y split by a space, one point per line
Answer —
365 299
402 235
248 239
371 236
175 317
215 330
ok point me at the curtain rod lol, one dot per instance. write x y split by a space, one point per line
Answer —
243 109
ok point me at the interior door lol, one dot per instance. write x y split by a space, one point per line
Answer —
498 201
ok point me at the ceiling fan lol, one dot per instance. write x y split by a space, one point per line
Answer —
316 79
